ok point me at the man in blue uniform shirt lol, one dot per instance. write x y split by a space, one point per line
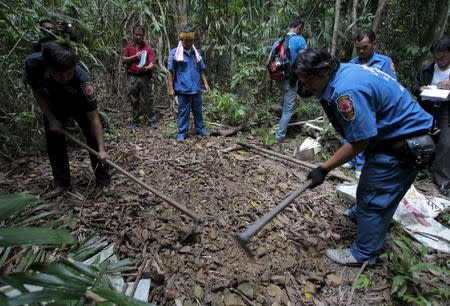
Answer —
365 45
62 89
376 114
288 86
186 70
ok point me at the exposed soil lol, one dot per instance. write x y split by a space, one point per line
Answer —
231 190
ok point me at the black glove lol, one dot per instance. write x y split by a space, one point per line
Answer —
317 176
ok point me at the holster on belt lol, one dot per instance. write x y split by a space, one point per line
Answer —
414 150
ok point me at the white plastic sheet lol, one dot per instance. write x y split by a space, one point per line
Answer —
416 214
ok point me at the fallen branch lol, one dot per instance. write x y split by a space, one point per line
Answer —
214 123
228 132
139 275
229 149
294 160
312 126
349 301
318 119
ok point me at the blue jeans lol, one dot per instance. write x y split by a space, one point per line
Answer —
289 91
382 185
185 103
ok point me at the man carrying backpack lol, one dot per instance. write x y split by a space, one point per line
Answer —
286 49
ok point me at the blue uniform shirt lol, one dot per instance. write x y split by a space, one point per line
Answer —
365 103
381 62
75 96
187 73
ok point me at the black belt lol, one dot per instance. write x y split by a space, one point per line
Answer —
394 146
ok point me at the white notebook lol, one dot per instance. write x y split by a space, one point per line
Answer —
435 94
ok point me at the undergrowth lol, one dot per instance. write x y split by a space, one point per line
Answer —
419 278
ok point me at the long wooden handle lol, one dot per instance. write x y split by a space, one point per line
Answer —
195 217
247 235
294 160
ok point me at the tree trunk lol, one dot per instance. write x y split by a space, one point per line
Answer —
337 11
376 19
181 11
444 25
354 24
437 25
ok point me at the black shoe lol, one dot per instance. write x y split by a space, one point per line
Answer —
153 124
55 192
107 190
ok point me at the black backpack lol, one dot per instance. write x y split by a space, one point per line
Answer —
279 64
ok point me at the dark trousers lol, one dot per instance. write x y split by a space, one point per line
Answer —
441 165
141 85
57 151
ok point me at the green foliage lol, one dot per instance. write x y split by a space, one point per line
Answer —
265 135
330 141
171 130
363 281
410 283
234 36
268 139
308 109
34 236
224 107
63 281
444 218
11 204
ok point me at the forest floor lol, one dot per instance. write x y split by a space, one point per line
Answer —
231 190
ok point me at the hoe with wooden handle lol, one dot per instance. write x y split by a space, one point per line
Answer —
244 237
195 217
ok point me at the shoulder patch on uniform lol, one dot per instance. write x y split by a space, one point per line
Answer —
88 91
346 107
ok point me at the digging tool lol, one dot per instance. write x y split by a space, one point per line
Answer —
244 237
195 217
294 160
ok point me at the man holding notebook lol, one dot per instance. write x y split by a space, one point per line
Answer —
437 73
138 58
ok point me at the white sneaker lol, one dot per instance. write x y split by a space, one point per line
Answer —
347 166
342 211
342 256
